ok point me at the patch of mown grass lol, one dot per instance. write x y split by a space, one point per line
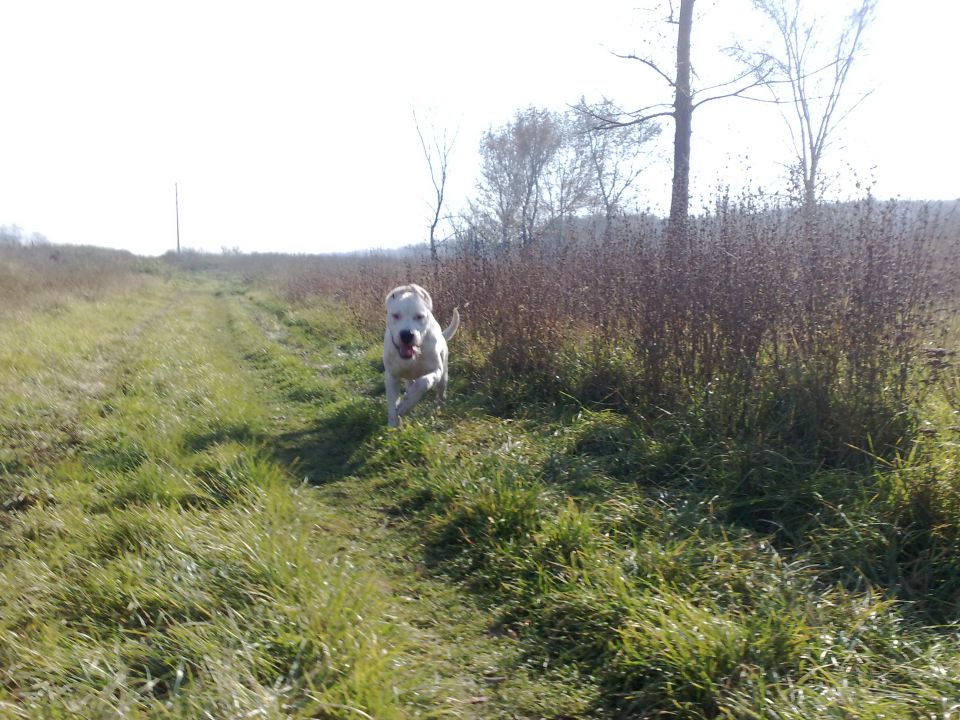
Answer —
158 595
327 448
263 349
324 324
173 568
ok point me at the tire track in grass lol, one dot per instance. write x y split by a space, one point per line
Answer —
334 434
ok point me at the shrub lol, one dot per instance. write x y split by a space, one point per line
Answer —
798 330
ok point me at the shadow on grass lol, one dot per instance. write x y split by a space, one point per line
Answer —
327 449
199 440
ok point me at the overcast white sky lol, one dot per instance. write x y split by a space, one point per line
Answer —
288 125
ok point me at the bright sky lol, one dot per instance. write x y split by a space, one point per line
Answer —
288 125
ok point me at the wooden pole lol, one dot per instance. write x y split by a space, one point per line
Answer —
176 204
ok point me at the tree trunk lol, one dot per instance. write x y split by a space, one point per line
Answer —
683 123
810 182
434 255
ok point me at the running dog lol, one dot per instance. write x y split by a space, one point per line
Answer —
414 350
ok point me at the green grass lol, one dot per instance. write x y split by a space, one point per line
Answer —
171 566
205 515
661 593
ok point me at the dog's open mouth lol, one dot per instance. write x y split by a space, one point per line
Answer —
406 350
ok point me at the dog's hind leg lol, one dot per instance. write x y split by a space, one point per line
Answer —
442 389
442 383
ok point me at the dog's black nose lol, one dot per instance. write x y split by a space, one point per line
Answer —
406 337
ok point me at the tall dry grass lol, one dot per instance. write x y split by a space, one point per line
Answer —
43 276
800 329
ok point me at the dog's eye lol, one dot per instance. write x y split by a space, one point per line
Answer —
418 317
396 316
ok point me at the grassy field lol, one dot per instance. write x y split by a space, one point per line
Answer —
49 277
182 536
203 515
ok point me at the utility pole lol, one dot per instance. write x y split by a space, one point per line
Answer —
176 205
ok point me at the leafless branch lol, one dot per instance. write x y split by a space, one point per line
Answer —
762 73
854 106
650 64
671 18
761 80
636 118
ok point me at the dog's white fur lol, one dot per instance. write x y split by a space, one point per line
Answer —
414 349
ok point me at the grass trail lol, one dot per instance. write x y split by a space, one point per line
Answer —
185 531
334 433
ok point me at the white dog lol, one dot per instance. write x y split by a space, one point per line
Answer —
414 349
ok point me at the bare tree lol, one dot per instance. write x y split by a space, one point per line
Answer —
476 229
685 101
514 159
617 154
815 71
498 185
568 176
544 167
436 151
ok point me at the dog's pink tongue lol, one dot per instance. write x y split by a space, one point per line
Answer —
407 351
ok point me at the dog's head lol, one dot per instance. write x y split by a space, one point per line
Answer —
409 310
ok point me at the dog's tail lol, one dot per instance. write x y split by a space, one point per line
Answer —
452 327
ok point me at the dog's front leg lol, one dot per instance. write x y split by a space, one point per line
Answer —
416 389
393 396
442 382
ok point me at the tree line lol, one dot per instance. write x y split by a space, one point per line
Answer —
545 167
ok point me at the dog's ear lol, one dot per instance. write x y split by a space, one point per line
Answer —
393 294
423 294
